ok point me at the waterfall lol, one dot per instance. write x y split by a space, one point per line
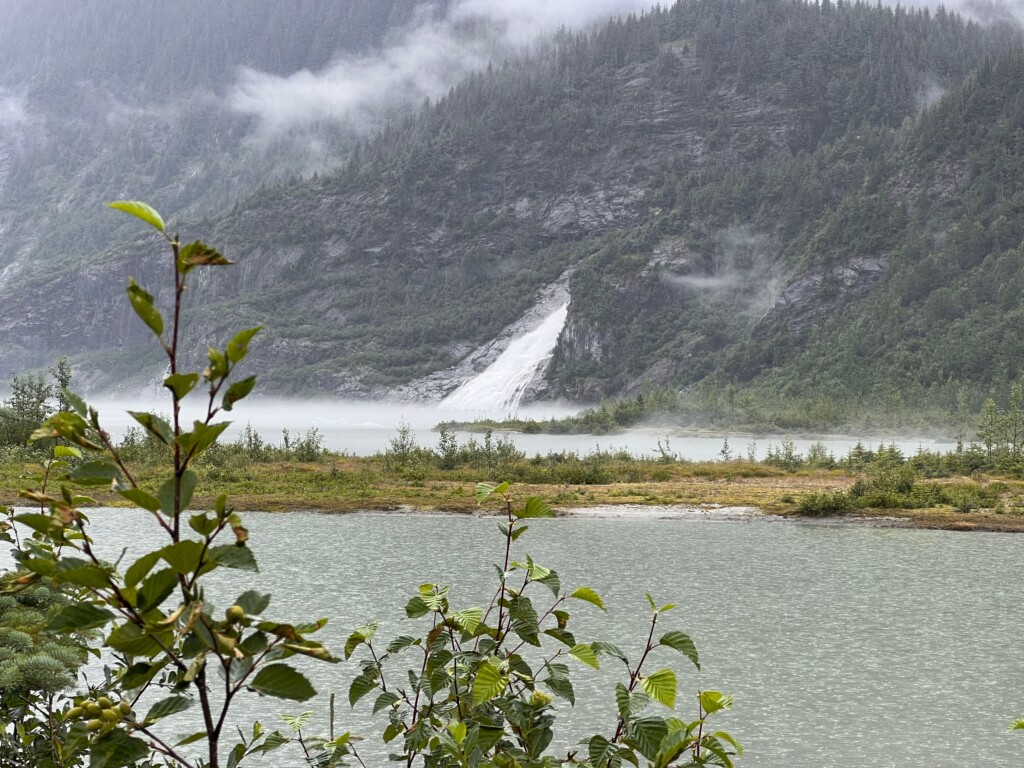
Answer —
500 388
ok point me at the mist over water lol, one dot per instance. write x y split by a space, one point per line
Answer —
365 428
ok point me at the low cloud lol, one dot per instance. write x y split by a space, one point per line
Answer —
742 271
13 110
422 62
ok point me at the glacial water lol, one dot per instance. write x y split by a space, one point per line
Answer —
845 647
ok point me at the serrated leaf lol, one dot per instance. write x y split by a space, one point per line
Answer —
153 424
630 704
140 210
661 686
238 347
253 603
469 619
558 682
142 302
66 452
588 595
361 686
681 642
586 654
483 490
384 701
167 707
601 751
237 391
282 682
714 701
199 254
489 682
140 498
535 507
116 749
181 383
610 649
647 733
138 570
98 472
79 617
157 588
184 556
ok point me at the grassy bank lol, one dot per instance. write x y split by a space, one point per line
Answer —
926 489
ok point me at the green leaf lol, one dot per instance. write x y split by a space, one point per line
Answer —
201 437
184 556
1017 725
609 649
253 603
129 639
189 481
153 424
681 642
601 751
714 701
81 572
283 682
586 654
535 507
66 452
157 588
140 498
384 701
138 570
237 391
483 490
358 637
589 595
630 704
97 472
361 685
661 686
238 347
469 619
489 682
77 403
199 254
559 683
116 749
561 635
181 383
234 556
140 210
648 733
142 303
167 707
401 642
525 621
79 617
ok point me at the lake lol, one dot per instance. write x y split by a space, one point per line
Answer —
844 646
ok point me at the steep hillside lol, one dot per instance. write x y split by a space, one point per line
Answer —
725 178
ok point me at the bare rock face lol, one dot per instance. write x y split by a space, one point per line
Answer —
815 296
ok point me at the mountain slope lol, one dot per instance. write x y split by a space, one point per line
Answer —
724 177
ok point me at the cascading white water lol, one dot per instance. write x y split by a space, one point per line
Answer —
500 388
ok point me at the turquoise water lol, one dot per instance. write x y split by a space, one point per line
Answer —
843 646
